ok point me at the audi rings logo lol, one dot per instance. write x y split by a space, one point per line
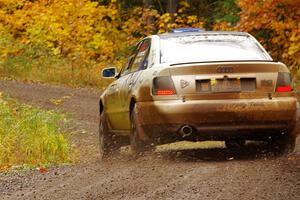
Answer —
225 69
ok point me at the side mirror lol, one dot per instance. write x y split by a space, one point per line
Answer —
110 72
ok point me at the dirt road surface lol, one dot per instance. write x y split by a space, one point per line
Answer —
253 173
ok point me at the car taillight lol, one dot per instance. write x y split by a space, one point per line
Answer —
163 85
284 89
284 82
165 92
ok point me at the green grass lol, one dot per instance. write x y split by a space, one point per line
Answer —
36 64
30 136
51 69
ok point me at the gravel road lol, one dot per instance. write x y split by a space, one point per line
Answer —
253 173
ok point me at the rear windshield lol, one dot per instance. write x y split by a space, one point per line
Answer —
209 48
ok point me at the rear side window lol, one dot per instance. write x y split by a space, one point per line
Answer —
208 48
140 61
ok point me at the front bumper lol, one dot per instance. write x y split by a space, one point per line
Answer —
218 118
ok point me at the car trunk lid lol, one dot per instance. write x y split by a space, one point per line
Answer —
226 79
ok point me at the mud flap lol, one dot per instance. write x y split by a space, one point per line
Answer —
142 135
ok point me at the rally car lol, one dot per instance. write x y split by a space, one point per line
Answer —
197 85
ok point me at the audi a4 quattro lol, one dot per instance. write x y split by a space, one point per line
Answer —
198 85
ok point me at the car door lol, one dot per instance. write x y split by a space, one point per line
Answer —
112 96
138 63
110 102
113 102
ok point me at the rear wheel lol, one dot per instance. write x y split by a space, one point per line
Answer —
138 146
108 142
284 143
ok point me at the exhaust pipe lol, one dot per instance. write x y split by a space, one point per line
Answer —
186 130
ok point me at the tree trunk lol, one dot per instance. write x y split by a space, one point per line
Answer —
172 8
148 4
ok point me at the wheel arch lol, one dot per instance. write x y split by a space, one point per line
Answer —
131 105
101 107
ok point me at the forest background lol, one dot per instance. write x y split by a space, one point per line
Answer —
70 41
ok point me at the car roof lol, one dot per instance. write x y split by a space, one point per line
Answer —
170 35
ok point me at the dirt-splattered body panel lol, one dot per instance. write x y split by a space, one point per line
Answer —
216 99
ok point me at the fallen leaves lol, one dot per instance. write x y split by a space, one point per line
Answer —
60 101
5 167
56 101
291 158
42 169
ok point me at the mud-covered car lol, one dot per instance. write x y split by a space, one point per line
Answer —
198 85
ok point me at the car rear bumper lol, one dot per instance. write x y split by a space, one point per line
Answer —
219 118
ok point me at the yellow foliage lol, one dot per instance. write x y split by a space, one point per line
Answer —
69 41
86 36
74 28
292 2
181 20
276 23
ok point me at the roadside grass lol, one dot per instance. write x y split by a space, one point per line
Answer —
36 64
31 137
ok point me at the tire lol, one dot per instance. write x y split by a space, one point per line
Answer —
283 144
108 142
235 143
138 147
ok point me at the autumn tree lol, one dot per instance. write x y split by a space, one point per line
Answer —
276 23
76 38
